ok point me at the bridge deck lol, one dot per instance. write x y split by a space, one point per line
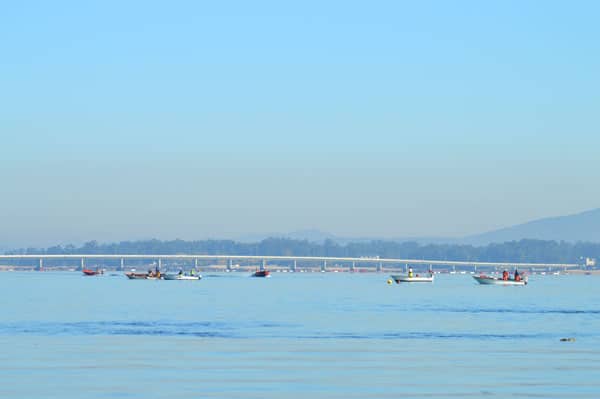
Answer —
291 258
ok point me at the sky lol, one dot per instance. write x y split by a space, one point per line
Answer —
193 120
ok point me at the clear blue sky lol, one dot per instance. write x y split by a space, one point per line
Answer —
126 120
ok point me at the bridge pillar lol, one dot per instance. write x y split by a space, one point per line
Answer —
379 267
324 266
41 265
195 263
263 265
122 264
229 265
82 264
159 263
353 267
293 268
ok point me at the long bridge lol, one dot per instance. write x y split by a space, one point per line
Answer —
291 261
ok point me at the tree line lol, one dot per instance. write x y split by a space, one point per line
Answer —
528 250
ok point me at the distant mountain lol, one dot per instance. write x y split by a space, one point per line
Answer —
583 226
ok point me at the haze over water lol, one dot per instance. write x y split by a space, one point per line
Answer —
331 335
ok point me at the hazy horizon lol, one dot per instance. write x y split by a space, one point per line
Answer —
124 121
311 234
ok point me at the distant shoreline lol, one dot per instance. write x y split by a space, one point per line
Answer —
276 269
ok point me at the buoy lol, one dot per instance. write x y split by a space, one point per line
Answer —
570 339
390 281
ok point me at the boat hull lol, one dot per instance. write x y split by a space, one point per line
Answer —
262 273
180 277
88 272
486 280
137 276
416 279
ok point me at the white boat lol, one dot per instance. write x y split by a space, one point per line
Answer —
487 280
181 277
415 279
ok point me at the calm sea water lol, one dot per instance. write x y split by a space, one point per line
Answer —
332 335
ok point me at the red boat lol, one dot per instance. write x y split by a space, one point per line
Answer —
89 272
262 273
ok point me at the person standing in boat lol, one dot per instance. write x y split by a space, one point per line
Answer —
410 272
505 275
517 275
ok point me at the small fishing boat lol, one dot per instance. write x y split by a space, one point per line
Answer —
414 279
137 276
90 272
261 273
181 277
488 280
